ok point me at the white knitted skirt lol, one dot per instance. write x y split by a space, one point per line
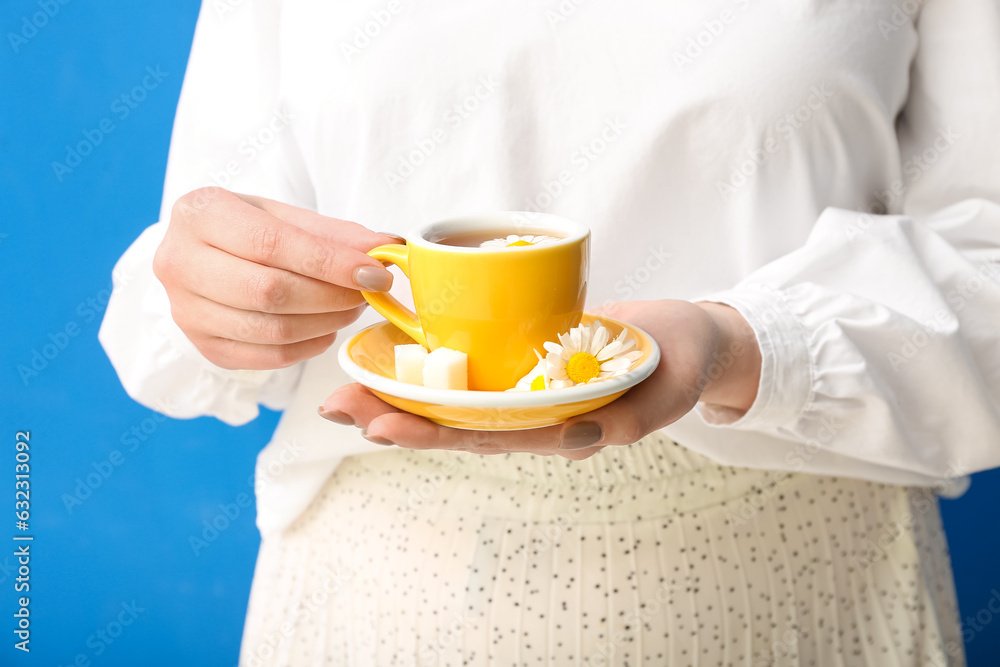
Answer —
639 556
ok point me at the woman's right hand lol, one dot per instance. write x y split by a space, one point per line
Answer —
257 284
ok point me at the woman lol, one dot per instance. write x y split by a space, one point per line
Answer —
799 201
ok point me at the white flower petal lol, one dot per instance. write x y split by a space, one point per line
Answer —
616 364
599 340
554 348
615 357
609 351
633 356
524 384
595 333
619 345
566 341
556 372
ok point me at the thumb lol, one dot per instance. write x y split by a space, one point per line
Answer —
621 422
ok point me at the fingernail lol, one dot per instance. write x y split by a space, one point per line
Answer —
581 435
376 439
395 237
336 416
372 278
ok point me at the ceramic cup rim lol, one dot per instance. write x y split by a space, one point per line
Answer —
572 232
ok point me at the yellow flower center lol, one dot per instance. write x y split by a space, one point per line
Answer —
538 383
582 367
519 243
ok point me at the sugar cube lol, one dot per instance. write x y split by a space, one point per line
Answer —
410 363
446 369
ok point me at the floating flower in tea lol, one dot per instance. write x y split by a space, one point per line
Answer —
515 241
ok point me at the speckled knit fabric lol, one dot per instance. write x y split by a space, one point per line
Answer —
639 556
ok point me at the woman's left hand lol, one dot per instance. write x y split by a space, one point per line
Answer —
707 353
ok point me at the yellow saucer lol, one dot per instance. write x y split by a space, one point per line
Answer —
368 358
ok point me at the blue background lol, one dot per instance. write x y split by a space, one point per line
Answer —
129 539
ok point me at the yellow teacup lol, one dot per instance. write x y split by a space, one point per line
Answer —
496 304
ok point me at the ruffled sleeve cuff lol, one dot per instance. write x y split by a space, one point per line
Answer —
157 364
787 372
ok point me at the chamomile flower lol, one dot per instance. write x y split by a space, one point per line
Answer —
515 241
535 379
586 354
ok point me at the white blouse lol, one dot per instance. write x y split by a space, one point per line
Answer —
829 168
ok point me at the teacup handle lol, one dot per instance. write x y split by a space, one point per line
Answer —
389 306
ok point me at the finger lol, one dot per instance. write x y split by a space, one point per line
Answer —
344 232
646 407
232 281
246 231
579 454
358 404
236 355
418 433
355 404
406 430
196 313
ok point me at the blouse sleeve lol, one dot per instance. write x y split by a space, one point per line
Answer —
880 337
232 130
